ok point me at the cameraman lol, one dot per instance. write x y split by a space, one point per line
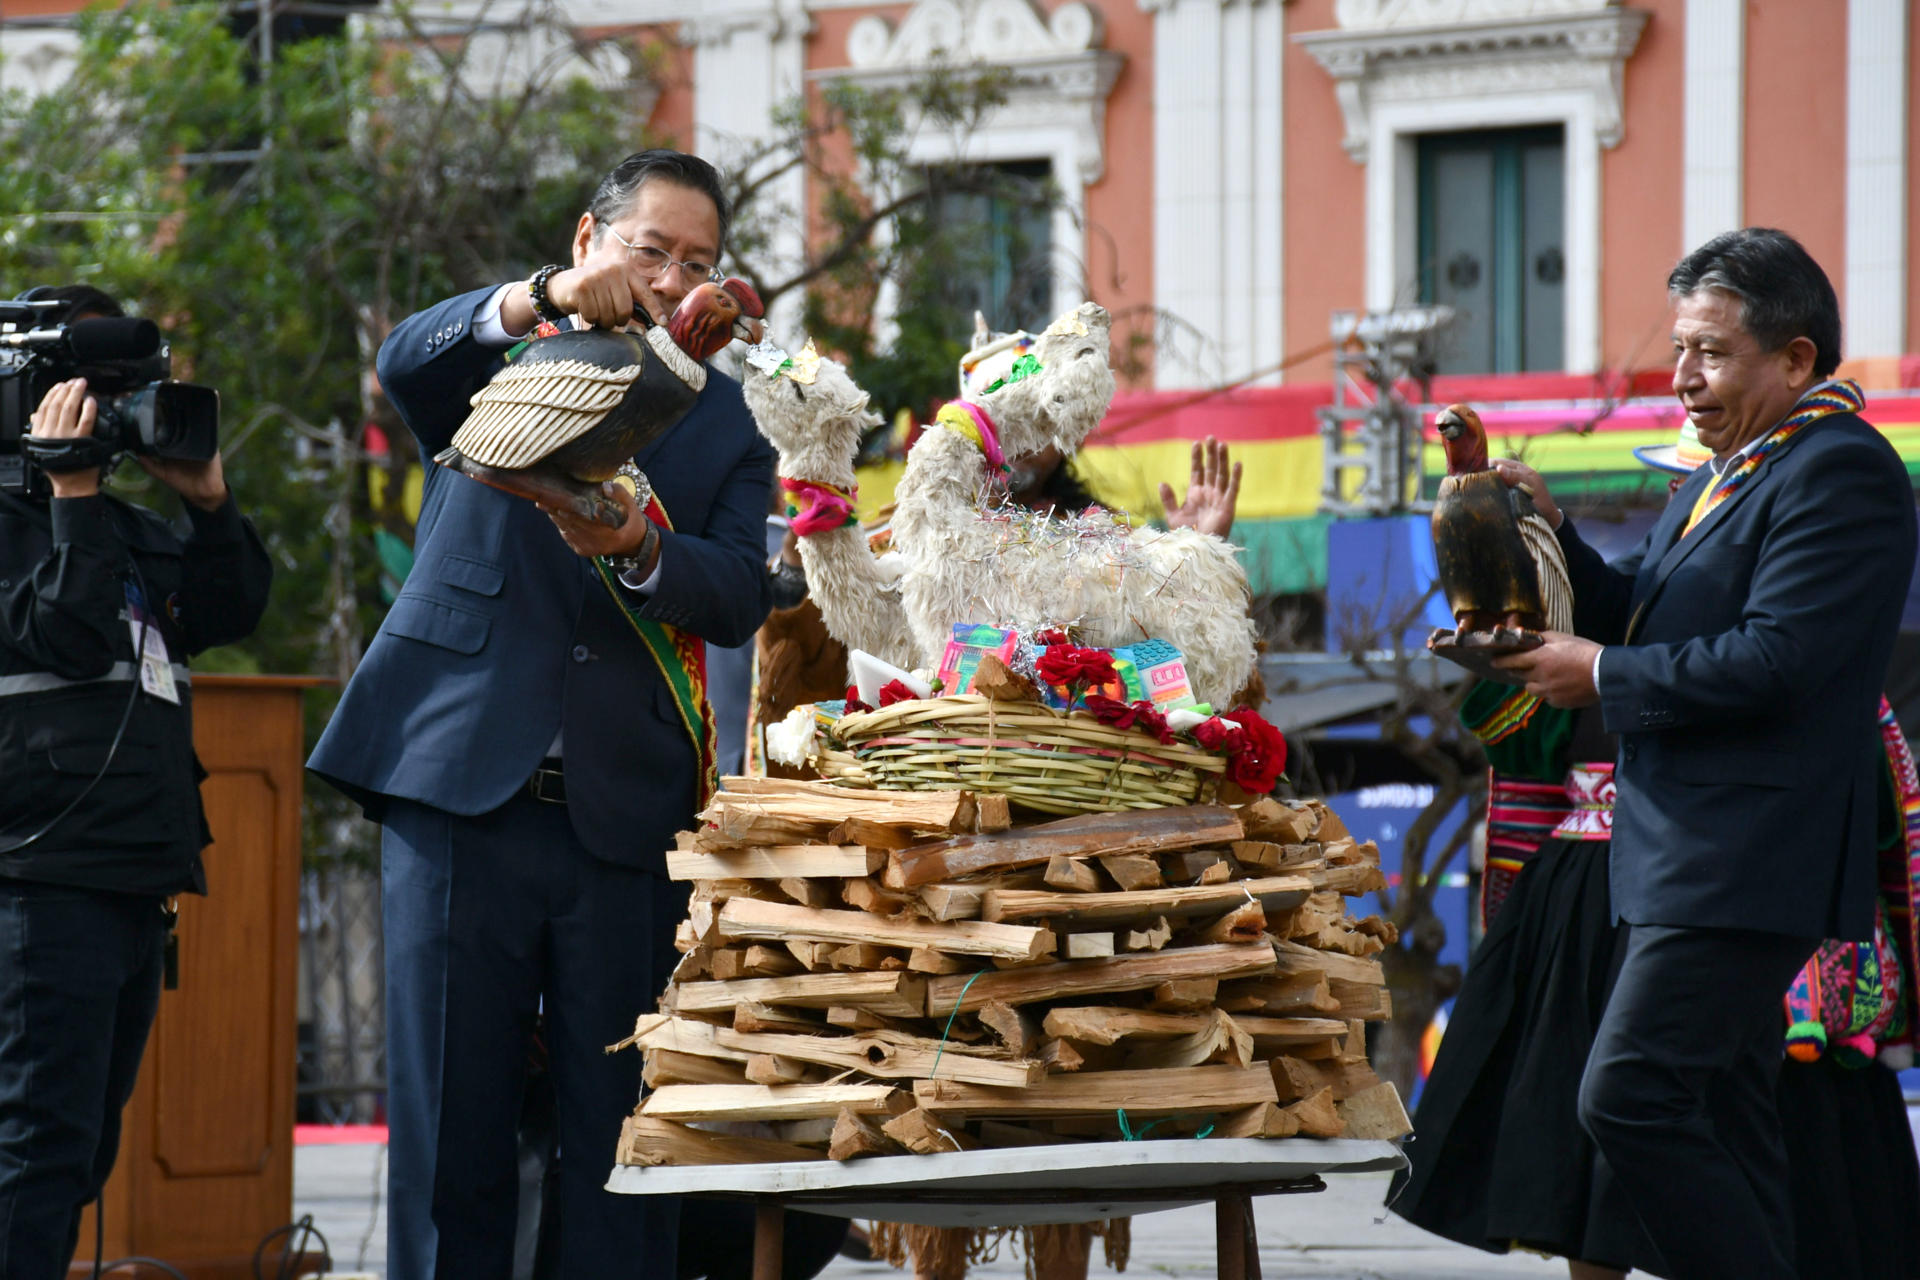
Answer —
101 602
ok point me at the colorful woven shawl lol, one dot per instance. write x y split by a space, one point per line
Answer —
1841 396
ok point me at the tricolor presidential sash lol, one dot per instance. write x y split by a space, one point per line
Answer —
680 655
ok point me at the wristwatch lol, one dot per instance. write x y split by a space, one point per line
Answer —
642 555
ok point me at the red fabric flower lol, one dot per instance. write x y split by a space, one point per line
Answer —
1258 754
1070 665
1214 734
1051 636
896 691
853 700
1129 715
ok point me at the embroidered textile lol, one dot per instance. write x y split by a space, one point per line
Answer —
1590 788
1841 396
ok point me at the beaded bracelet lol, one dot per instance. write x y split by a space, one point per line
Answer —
537 294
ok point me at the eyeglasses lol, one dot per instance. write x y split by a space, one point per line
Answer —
653 261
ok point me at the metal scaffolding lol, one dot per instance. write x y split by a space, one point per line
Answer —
1370 435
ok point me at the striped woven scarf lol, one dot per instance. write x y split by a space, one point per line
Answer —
1840 396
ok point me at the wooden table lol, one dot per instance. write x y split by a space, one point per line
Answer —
1022 1186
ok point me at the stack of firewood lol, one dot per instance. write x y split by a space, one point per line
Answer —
882 972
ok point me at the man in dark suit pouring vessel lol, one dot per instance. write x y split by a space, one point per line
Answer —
1738 652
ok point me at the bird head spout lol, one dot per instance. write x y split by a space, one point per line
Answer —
1465 439
713 315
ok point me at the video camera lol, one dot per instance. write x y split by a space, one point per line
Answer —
127 365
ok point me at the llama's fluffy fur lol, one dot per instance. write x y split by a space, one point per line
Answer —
954 562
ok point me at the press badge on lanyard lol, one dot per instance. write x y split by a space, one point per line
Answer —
156 668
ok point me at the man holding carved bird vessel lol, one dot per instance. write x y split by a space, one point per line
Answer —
1738 652
530 724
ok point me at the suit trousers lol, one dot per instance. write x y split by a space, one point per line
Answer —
1679 1096
489 922
79 985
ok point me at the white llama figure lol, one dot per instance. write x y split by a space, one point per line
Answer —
957 559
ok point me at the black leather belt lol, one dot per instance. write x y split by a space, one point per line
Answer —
548 783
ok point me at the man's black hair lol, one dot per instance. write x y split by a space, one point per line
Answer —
79 300
615 196
1783 292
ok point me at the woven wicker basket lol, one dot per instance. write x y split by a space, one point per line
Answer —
1050 761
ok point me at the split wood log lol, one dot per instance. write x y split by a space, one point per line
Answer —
1330 827
1062 1057
865 957
1189 866
1219 873
866 894
865 1020
767 1068
924 1133
1130 831
665 1067
1275 893
1245 923
1359 1000
1133 870
777 862
743 919
1291 1031
748 817
811 955
884 808
1279 822
750 1016
1100 1093
1295 1078
887 1054
1088 977
1220 1040
729 963
927 960
1077 874
1155 936
1015 1028
1187 993
1352 880
1291 957
999 1134
1375 1113
1295 993
648 1140
953 901
877 836
694 1102
1263 1121
898 994
1318 1116
1278 857
856 1135
1093 946
1097 1024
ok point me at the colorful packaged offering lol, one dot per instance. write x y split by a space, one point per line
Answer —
970 643
1155 672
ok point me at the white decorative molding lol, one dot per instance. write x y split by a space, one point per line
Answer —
1712 197
1382 56
1406 67
1058 79
1877 89
1217 209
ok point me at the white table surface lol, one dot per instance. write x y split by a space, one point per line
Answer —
999 1187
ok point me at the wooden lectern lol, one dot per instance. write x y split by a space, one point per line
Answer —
206 1148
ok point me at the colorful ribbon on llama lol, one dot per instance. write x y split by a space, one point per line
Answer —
969 421
814 506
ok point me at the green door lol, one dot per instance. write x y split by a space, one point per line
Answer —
1491 246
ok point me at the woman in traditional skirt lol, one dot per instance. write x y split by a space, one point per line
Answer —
1498 1158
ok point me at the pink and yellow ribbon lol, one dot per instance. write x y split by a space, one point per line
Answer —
817 507
968 420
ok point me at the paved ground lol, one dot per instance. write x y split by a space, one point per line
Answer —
1336 1235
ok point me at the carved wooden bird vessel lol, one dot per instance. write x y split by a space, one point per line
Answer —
570 409
1500 566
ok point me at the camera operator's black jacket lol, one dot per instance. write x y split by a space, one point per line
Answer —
67 671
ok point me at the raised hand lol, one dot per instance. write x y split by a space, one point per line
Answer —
67 411
1213 491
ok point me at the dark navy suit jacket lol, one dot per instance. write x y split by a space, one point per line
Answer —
502 635
1743 675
